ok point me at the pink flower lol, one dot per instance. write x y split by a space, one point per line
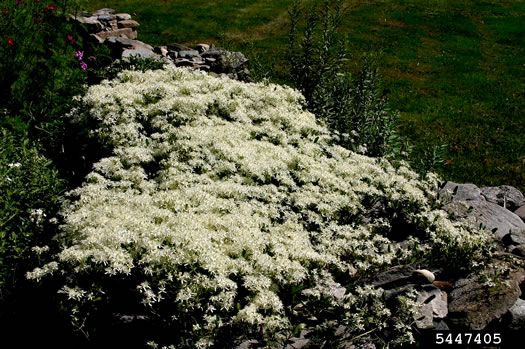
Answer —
69 37
52 8
19 2
10 41
83 65
79 55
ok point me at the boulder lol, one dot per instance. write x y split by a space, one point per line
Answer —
517 316
505 196
460 192
487 215
473 305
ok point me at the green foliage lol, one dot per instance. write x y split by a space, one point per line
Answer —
29 195
354 108
39 71
135 63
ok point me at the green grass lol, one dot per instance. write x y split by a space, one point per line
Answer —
456 69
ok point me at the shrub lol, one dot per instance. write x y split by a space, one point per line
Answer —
41 67
218 198
29 193
355 109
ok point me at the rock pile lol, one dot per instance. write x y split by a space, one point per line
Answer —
119 33
497 209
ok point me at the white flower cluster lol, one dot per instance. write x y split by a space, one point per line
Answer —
218 188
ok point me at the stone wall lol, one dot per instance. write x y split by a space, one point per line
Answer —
118 31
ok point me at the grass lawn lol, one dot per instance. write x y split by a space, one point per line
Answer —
456 69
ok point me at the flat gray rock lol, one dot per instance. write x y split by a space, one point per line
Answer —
489 216
460 192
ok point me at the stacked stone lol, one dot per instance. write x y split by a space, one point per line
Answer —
118 32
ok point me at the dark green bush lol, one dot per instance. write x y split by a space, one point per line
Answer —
355 109
30 193
41 67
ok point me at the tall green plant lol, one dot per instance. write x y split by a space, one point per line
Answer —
355 109
41 65
29 195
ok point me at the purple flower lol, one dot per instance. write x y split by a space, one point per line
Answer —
79 55
83 65
70 38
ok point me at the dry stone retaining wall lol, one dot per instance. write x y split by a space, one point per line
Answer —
119 32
